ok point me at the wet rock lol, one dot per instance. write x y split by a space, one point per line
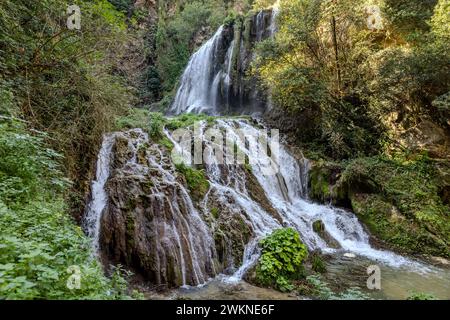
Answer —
319 228
231 232
150 224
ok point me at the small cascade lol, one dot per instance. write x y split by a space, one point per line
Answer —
99 196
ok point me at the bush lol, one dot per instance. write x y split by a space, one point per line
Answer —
409 186
27 165
282 256
38 239
318 265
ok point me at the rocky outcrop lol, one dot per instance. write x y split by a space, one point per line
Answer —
150 223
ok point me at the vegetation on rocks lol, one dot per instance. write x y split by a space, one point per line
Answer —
196 180
371 104
398 198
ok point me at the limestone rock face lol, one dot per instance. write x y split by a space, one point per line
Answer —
150 223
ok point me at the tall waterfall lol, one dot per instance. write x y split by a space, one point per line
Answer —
196 94
215 80
142 215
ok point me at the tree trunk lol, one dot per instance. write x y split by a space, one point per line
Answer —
336 51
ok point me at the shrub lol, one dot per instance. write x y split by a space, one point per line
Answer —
38 239
421 296
318 265
282 255
27 166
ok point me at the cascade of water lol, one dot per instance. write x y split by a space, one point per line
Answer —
208 84
99 196
286 191
194 93
189 226
185 233
273 19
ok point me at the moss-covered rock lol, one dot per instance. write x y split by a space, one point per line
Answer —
196 180
401 200
324 186
319 228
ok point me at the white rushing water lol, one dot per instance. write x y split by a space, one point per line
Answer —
199 84
185 232
99 196
286 191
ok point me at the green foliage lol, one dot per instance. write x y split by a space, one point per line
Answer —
318 265
409 15
440 22
421 296
402 205
408 81
196 180
122 5
323 292
25 163
262 4
188 119
135 118
38 240
319 82
63 82
152 122
38 243
215 212
282 256
344 93
156 125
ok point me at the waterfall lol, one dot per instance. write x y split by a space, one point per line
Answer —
215 81
287 192
196 94
147 218
99 196
183 242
